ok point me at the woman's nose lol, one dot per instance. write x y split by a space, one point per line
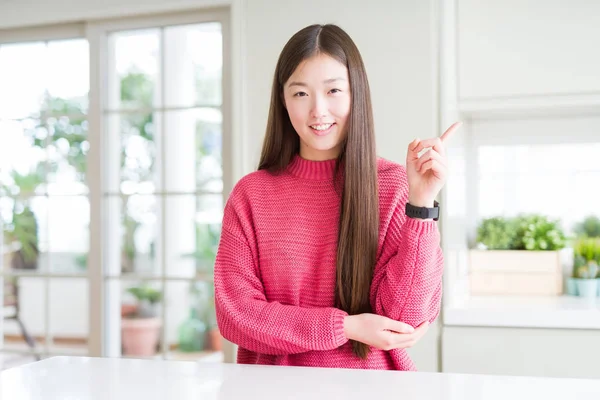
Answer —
319 107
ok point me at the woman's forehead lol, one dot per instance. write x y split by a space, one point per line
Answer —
319 69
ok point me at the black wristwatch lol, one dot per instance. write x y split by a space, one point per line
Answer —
423 212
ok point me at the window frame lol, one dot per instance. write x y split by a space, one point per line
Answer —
44 34
97 33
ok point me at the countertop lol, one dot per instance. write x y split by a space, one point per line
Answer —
558 312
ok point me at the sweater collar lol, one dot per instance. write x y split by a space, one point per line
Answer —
313 170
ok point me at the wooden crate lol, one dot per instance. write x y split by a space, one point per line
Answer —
516 272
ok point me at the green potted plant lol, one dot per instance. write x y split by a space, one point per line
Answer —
538 233
585 280
140 327
21 236
522 255
589 227
496 233
21 230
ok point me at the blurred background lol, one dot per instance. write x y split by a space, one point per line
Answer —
124 126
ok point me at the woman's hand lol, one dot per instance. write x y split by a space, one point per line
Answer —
427 173
381 332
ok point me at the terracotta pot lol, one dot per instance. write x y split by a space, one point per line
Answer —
18 261
214 340
140 336
128 309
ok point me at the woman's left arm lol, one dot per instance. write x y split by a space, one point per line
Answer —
407 282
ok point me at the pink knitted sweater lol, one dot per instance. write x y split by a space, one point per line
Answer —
275 268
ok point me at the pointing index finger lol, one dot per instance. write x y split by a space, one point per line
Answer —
450 131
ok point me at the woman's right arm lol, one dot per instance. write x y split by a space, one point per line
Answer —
246 318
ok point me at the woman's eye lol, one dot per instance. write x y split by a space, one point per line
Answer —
299 94
335 90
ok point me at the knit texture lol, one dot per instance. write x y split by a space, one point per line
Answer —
275 270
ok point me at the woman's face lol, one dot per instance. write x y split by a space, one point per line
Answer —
317 98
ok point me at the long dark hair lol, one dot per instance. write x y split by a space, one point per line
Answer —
359 213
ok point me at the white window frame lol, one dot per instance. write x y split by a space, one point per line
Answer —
26 35
97 33
43 34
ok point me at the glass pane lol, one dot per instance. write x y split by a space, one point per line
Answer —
209 209
135 74
139 319
139 152
131 241
22 157
23 79
68 76
68 148
520 179
69 315
193 65
192 230
25 297
25 224
68 233
191 326
132 153
189 171
490 206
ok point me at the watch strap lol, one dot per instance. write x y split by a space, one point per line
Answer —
423 212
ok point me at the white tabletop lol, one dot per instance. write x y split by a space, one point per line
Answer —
84 378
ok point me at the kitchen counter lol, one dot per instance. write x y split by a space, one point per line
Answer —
554 312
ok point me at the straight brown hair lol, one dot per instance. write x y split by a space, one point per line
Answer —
358 228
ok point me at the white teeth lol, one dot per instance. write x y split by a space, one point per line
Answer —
322 127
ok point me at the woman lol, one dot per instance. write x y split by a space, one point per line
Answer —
319 263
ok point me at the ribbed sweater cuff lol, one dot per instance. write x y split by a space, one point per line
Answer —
338 327
420 226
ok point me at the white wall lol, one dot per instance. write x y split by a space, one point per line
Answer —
528 47
21 13
396 40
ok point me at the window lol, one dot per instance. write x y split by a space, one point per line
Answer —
557 180
539 164
112 176
44 205
162 189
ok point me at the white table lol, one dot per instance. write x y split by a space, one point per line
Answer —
82 378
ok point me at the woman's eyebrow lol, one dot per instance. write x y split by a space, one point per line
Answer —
330 80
